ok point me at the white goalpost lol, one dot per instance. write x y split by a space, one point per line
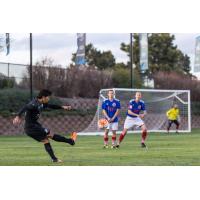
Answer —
157 103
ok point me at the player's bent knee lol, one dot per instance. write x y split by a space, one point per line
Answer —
45 141
125 131
143 127
50 135
114 133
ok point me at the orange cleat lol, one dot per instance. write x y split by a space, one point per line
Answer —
73 136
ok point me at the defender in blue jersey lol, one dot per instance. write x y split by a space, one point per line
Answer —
135 114
111 107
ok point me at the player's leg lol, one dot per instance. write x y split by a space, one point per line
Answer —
140 123
114 137
38 133
169 125
122 135
105 138
49 150
60 138
114 127
177 125
129 122
144 135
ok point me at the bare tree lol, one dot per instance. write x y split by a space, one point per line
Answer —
173 80
68 82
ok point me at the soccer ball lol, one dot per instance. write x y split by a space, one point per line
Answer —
102 123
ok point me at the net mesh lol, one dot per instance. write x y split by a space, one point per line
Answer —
157 102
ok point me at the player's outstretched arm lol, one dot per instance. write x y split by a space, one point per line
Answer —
22 110
67 107
56 107
17 120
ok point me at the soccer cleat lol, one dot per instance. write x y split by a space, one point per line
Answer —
143 145
113 146
73 136
117 146
57 161
105 146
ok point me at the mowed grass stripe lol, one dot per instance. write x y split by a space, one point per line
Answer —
163 150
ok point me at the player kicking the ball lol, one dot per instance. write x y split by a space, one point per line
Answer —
35 130
110 109
134 118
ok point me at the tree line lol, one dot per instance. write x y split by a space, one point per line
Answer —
168 68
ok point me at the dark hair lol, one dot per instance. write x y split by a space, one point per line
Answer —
111 90
44 93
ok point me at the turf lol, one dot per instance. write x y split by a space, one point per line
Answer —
181 149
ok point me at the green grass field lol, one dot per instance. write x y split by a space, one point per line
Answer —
163 150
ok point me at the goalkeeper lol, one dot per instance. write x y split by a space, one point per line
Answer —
173 116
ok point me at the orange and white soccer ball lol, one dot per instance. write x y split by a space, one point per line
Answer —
103 123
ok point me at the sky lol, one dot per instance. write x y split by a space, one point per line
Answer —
60 46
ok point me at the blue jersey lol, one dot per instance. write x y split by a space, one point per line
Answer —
136 107
111 107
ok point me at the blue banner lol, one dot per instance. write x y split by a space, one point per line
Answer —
197 55
80 54
143 43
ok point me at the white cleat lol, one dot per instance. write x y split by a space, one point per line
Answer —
57 161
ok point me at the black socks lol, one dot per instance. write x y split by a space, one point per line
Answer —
60 138
49 150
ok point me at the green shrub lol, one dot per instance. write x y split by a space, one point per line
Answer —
7 82
11 100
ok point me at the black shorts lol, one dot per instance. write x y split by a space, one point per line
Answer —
37 132
170 122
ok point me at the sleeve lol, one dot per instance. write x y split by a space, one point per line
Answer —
130 106
52 106
168 113
103 106
118 105
143 107
29 106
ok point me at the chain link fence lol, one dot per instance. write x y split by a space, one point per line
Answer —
16 76
15 72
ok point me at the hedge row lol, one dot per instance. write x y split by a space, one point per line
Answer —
11 100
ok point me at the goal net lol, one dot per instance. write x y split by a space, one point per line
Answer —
157 103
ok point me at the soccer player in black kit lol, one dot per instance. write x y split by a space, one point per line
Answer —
35 130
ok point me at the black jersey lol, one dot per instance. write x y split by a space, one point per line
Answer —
33 110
